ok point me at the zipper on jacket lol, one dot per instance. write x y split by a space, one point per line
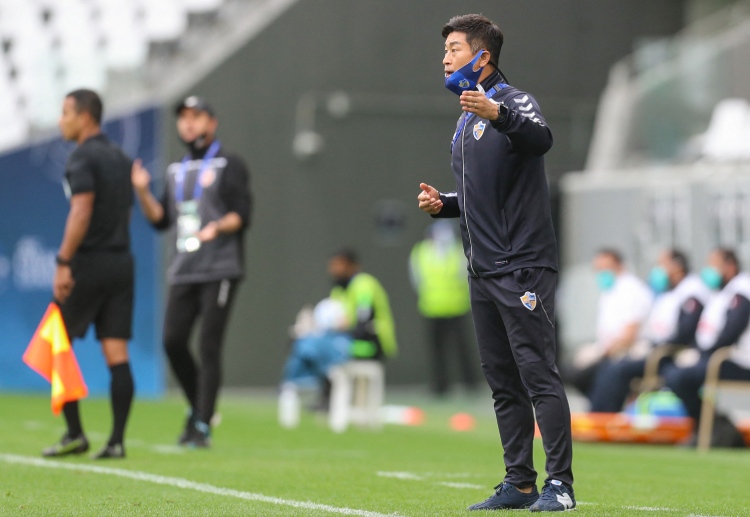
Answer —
466 217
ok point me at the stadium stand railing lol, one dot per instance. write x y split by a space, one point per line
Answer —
134 52
682 99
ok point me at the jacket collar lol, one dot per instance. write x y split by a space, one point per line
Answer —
491 80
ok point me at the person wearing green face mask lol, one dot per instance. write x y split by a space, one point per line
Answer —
624 305
673 320
725 322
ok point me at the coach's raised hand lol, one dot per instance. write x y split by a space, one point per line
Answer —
429 199
141 179
140 176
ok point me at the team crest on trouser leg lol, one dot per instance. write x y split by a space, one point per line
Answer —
529 300
479 129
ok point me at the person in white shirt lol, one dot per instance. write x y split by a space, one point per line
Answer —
724 322
624 305
680 298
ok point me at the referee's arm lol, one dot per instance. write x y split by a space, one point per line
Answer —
76 226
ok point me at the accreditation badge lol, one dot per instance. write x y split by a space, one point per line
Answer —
188 226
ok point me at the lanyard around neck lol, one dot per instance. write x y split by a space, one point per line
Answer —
179 178
465 116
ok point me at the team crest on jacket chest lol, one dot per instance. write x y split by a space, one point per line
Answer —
529 300
479 129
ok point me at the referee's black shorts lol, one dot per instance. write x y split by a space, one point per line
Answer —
102 295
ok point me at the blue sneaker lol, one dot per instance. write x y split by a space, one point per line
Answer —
507 497
555 497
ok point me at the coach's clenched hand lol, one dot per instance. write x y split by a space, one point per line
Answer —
429 199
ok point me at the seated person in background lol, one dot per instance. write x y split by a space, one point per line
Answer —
673 320
724 322
325 345
624 304
321 344
367 307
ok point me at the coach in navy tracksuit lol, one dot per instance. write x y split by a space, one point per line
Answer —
502 201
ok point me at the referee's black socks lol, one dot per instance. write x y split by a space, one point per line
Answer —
73 419
121 393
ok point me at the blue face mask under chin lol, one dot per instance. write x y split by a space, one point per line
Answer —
466 77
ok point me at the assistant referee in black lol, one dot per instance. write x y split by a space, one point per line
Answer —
206 202
502 201
94 277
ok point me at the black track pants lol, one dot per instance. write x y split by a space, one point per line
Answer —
516 338
211 302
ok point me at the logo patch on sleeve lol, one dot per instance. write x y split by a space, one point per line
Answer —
479 129
529 300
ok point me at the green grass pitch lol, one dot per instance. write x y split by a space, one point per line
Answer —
409 471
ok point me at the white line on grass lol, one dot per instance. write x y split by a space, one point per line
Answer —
410 476
186 484
649 509
453 484
400 475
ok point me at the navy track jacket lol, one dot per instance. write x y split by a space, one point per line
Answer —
502 197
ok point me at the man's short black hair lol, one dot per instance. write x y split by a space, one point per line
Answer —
730 257
480 32
612 253
88 101
679 258
347 254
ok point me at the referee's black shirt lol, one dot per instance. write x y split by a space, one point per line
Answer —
99 166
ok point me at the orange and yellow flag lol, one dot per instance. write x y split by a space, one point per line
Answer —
49 354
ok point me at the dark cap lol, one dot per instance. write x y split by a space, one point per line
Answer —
195 103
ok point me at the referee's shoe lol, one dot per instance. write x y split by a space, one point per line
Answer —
110 451
66 446
507 497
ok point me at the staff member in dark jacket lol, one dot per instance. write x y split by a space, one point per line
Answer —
725 322
207 201
502 201
94 276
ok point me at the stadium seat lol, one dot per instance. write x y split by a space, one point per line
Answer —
165 21
37 64
20 19
202 6
126 46
728 135
15 127
357 390
711 388
80 50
